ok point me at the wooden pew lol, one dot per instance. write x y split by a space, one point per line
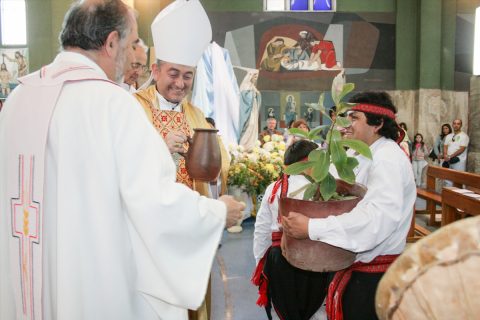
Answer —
459 180
416 231
453 200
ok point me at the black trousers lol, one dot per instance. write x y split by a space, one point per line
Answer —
358 302
295 294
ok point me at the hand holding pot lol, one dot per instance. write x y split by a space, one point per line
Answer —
234 210
295 225
175 141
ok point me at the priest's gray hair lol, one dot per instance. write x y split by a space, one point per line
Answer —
88 23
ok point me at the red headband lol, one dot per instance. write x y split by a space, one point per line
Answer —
371 108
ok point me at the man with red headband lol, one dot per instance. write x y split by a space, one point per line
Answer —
377 227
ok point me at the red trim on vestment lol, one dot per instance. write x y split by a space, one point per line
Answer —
375 109
340 281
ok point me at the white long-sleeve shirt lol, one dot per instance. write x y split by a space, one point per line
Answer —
267 216
379 224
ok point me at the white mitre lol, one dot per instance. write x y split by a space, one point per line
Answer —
181 32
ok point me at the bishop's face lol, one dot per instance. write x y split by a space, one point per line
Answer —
174 81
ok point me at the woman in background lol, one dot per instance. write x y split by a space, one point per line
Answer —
440 141
299 124
419 158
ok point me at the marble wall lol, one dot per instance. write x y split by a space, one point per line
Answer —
473 161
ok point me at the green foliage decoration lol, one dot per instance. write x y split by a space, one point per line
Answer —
322 186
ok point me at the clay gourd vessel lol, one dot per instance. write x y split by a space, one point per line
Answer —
203 159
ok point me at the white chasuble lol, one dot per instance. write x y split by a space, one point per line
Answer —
26 135
113 236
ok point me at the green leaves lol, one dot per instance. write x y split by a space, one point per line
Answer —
343 122
322 183
298 167
359 146
319 105
344 107
345 170
298 132
321 164
336 149
311 191
328 187
337 97
314 133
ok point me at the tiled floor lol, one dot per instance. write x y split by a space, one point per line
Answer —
233 295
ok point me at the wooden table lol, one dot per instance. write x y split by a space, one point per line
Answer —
452 200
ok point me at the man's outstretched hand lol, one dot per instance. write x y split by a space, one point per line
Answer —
234 210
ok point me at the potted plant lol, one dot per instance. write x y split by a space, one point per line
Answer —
325 195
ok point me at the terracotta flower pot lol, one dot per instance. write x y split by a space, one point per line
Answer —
318 256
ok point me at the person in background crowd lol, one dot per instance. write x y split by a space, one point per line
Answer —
406 144
332 113
136 68
445 130
404 127
419 158
298 124
455 149
271 130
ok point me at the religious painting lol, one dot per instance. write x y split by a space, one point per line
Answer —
272 111
289 108
310 115
270 107
14 65
288 53
304 51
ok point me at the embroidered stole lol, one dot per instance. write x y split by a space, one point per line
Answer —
166 121
27 128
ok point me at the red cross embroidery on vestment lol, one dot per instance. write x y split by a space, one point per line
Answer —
26 228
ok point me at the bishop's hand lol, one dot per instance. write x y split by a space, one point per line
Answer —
175 141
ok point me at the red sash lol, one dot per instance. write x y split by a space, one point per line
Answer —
340 280
259 278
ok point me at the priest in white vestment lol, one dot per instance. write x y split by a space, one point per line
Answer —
92 222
